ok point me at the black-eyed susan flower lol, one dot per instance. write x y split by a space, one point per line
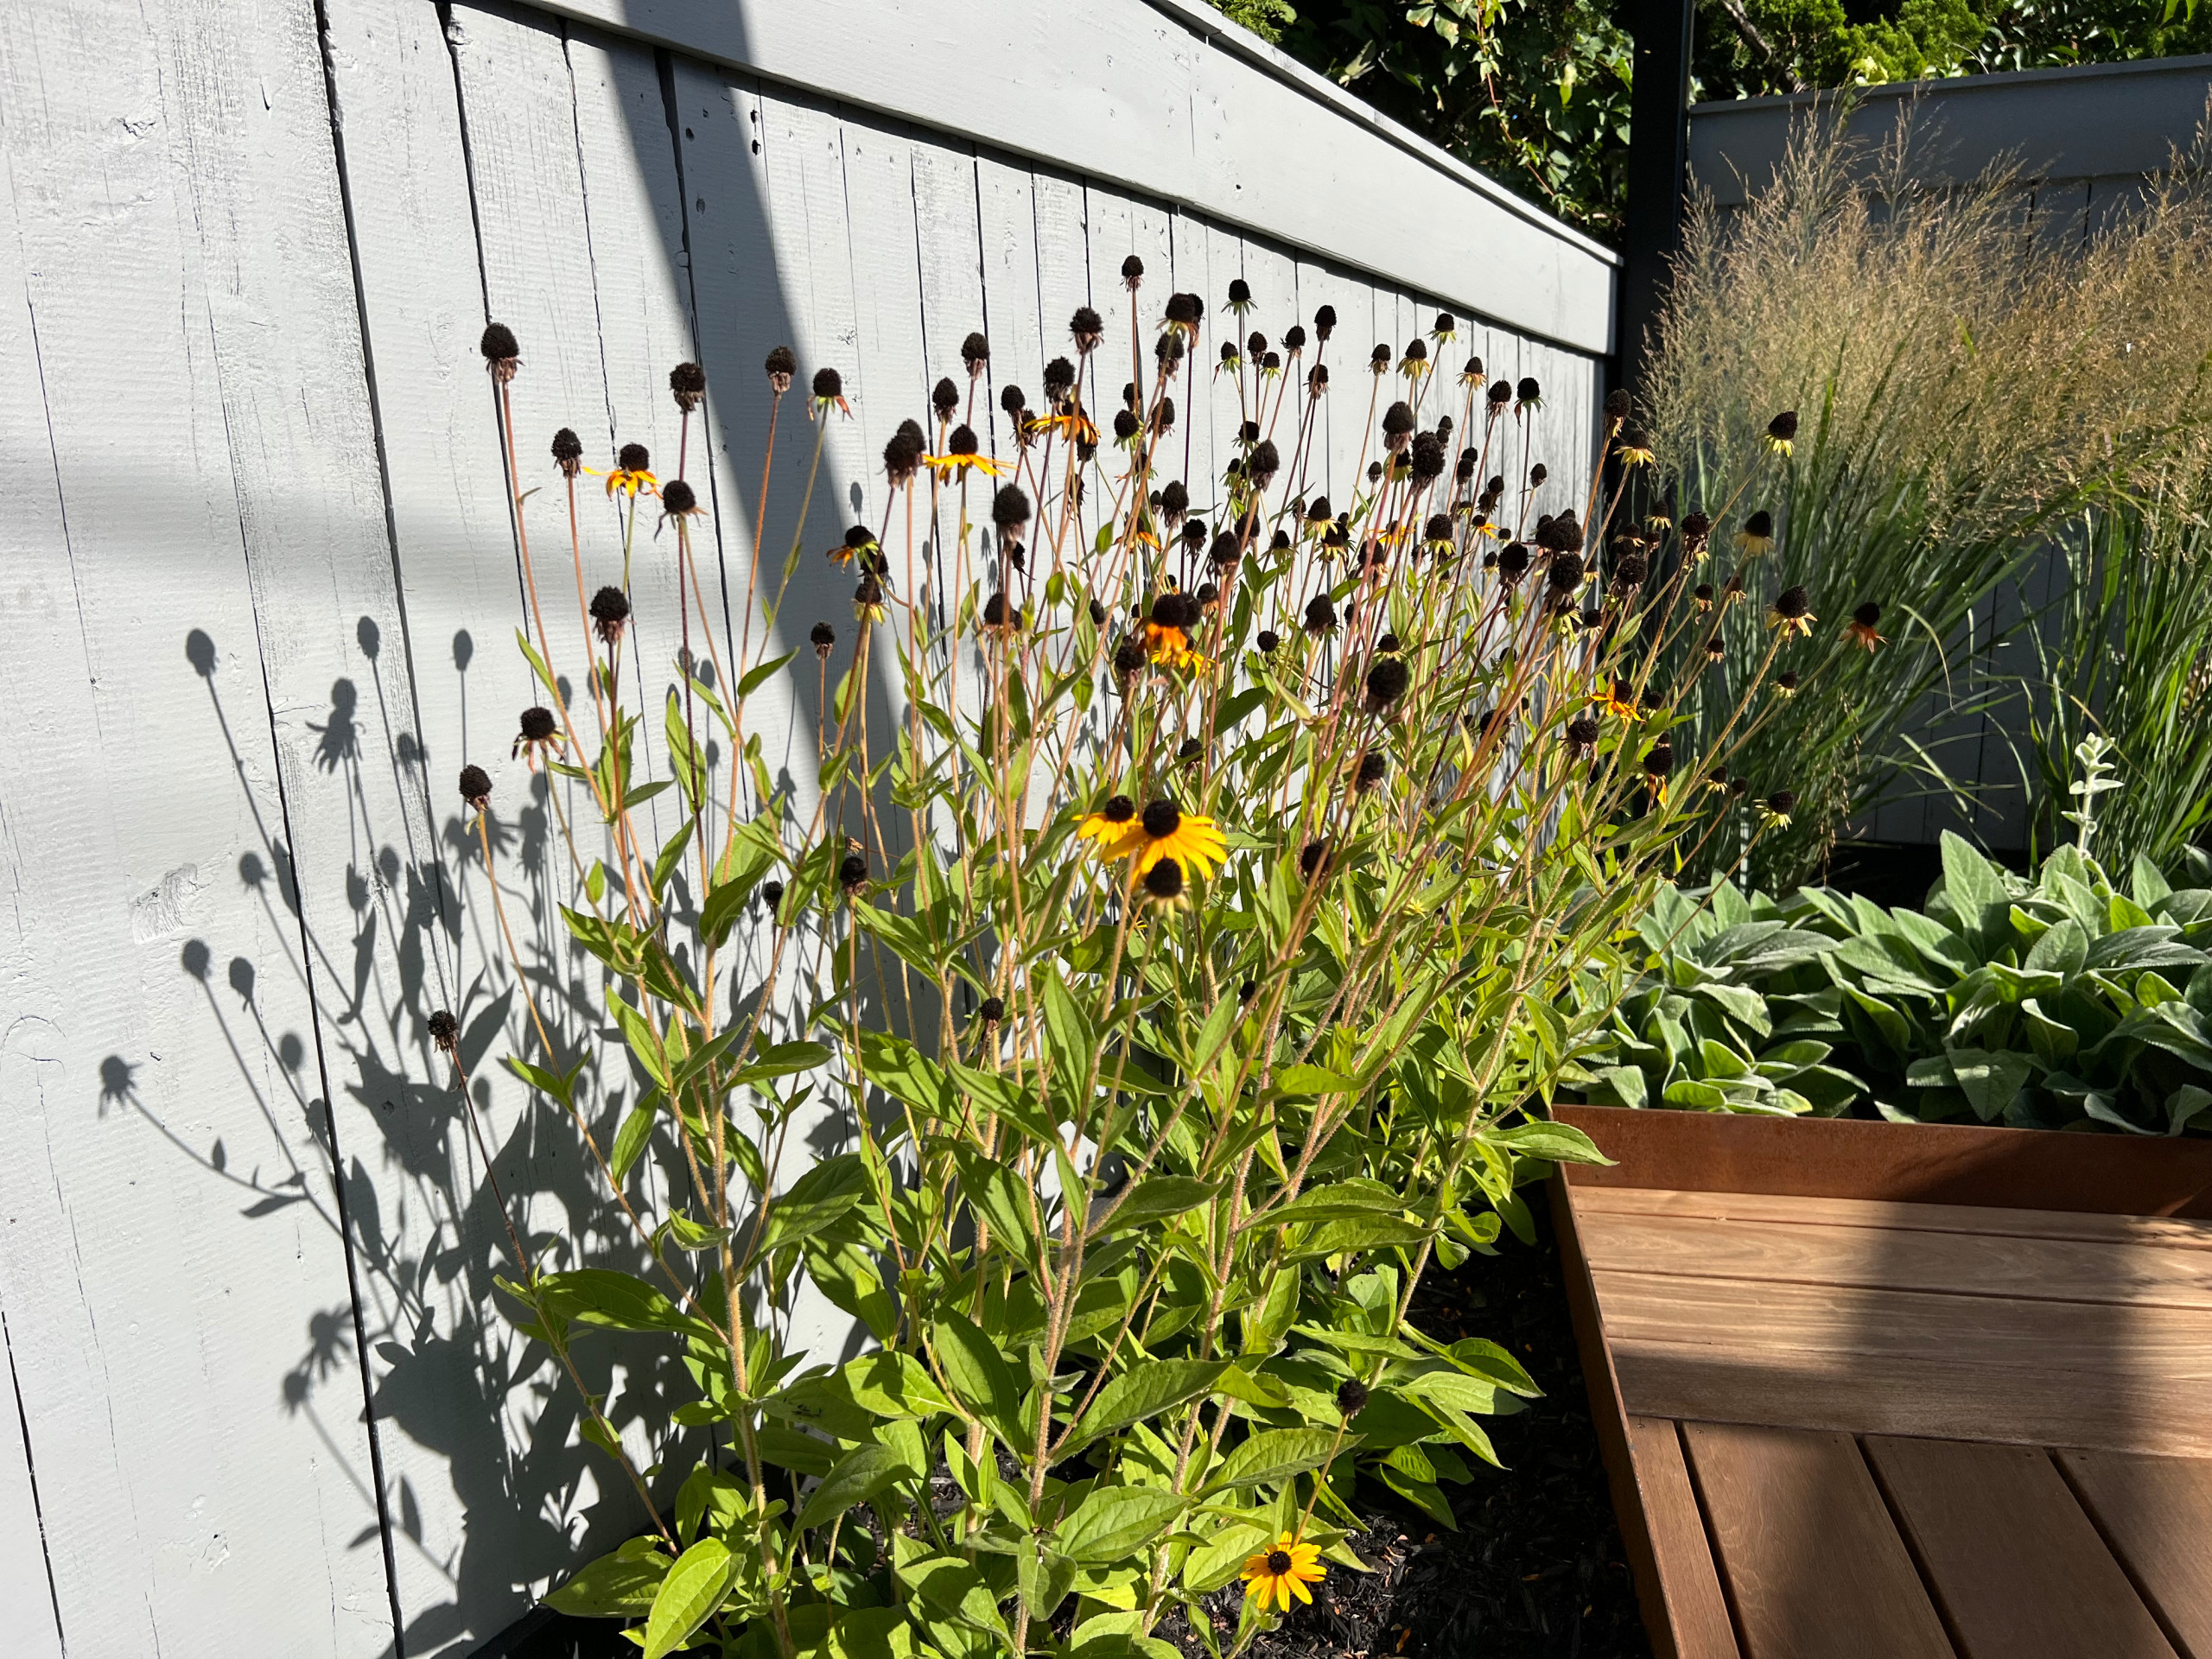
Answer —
1109 825
828 394
1701 596
502 353
1717 780
1635 449
1618 699
1757 536
476 788
1163 885
1529 395
631 474
1860 629
1774 812
1792 611
1414 362
1180 315
858 539
1165 831
1658 762
610 612
1168 628
1715 652
540 734
1283 1570
961 455
1732 589
1231 361
868 605
1786 684
1782 433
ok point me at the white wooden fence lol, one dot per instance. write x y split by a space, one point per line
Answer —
257 600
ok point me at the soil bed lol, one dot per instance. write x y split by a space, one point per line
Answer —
1535 1568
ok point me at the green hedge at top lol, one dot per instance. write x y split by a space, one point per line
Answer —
2063 1002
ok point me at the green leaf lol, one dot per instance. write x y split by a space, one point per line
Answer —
1557 1143
953 1589
856 1478
1276 1455
1044 1577
794 1448
1990 1081
757 677
1359 1233
978 1375
1115 1521
1222 1557
631 1139
1151 1199
816 1199
622 1301
1338 1201
620 1586
1136 1395
689 1595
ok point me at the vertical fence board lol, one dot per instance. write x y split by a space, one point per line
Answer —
179 1315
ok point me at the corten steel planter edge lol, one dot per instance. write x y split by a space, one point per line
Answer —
1831 1158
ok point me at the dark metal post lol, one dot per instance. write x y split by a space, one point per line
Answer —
1658 166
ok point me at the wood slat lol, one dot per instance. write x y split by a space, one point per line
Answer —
1902 1362
2155 1514
1917 1163
2147 1343
1814 1566
2163 1232
2019 1570
1896 1258
1697 1613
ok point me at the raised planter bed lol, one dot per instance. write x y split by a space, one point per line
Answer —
1868 1388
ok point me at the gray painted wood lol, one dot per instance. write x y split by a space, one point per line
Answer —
275 589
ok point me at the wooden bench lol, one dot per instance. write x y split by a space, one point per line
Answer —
1881 1391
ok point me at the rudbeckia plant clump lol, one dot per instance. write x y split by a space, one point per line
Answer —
1036 1110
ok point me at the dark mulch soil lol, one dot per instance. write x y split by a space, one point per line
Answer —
1535 1569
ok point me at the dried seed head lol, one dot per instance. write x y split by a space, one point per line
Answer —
568 452
962 441
1416 350
1500 393
678 499
1319 511
1562 535
1010 511
1293 338
1085 328
1659 758
1379 358
475 787
1313 859
902 457
1320 614
851 871
1782 428
1125 426
1267 640
1781 802
1582 732
824 638
445 1031
1129 658
634 458
1438 528
1696 527
1174 502
1386 683
1793 603
1240 291
782 365
829 384
1629 571
1266 462
1182 311
1324 322
771 894
1616 404
1013 400
1059 378
975 352
1374 765
1566 572
1397 422
945 399
991 1010
1188 750
1426 456
539 724
1513 560
1132 272
610 610
687 383
502 354
998 614
1537 474
1255 343
1528 391
1867 616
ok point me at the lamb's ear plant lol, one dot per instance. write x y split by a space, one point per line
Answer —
1048 1100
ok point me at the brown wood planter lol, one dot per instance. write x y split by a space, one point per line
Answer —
1890 1391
